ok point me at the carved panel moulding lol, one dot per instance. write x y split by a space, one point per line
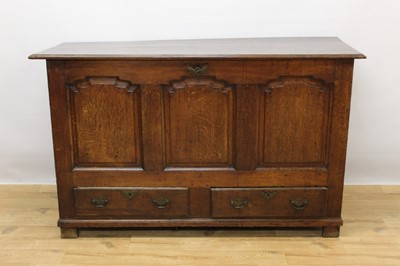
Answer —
211 82
115 81
307 81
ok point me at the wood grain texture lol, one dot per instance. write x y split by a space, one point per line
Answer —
105 120
246 48
203 222
247 126
152 127
200 202
236 72
207 124
261 71
155 72
296 112
69 232
331 231
198 123
268 202
28 236
108 202
338 140
207 177
62 135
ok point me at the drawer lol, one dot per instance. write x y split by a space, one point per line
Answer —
131 202
268 202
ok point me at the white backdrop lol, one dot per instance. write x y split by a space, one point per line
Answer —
372 27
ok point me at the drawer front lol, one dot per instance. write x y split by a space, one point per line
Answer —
131 202
268 202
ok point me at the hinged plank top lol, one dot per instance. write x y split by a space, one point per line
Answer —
246 48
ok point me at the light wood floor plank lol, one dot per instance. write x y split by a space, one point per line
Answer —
29 236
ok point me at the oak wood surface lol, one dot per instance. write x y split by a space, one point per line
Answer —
28 236
105 122
62 136
131 202
208 132
69 232
338 140
202 223
268 202
246 48
202 177
200 202
198 123
235 71
152 130
247 126
296 112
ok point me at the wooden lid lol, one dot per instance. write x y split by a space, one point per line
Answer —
247 48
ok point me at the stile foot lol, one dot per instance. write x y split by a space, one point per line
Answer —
69 232
331 231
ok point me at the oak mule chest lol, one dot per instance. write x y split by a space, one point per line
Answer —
200 133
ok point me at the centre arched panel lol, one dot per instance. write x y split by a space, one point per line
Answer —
198 118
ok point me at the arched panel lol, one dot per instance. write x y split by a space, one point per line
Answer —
198 123
295 122
105 122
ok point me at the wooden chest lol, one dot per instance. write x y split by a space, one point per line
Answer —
198 133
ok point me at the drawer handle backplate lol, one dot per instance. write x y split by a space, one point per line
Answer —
239 203
99 203
161 203
269 194
299 204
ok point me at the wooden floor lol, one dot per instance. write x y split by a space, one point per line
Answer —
29 236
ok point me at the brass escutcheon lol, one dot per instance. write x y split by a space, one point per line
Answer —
268 194
130 194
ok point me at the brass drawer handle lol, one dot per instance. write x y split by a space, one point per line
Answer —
269 194
239 203
197 70
130 194
299 204
161 203
99 203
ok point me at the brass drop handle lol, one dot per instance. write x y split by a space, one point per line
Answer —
99 203
197 70
239 203
268 194
299 204
130 194
161 203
